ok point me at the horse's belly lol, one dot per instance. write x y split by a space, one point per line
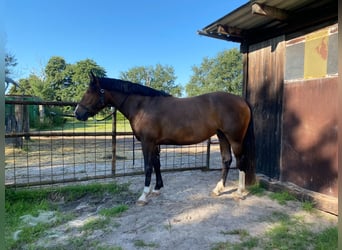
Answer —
186 135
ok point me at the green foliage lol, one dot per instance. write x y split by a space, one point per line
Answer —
55 71
69 81
51 119
62 81
10 62
35 86
222 73
158 77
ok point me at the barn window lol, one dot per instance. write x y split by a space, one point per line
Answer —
313 55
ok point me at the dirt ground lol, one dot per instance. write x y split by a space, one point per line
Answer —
184 216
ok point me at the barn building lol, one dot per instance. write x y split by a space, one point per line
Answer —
290 68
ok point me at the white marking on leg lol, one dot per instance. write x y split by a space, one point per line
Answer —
219 187
241 187
155 192
143 197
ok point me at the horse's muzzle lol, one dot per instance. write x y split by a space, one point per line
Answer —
82 116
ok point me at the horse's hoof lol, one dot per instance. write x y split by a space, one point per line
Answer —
141 202
239 196
155 193
214 194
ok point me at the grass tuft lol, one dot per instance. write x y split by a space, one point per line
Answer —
19 235
113 212
282 197
256 189
308 206
143 244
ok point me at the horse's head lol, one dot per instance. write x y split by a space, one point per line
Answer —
93 100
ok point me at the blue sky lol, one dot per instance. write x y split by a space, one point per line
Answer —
117 35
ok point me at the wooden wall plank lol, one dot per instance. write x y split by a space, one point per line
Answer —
264 91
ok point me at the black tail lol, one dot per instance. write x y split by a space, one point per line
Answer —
248 156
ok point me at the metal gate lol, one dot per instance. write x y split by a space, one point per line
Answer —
56 148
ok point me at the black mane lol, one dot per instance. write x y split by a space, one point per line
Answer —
129 87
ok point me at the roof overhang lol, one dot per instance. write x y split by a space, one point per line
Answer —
259 20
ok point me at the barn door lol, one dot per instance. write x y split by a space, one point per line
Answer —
263 87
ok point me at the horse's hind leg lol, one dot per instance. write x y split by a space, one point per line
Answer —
226 161
156 166
237 149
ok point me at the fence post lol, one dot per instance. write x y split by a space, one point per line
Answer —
19 125
114 141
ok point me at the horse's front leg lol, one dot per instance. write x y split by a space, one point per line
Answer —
148 167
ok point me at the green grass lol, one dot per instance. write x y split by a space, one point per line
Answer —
113 212
327 239
256 189
286 233
308 206
34 202
94 224
282 197
92 125
143 244
241 232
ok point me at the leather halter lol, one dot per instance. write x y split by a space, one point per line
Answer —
101 102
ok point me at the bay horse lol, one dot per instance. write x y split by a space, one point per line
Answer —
158 118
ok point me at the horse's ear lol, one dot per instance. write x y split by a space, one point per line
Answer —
92 77
93 81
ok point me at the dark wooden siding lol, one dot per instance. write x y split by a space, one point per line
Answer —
263 85
309 141
309 144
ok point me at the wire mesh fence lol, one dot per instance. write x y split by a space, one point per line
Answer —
53 147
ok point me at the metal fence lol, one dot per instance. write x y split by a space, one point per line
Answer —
53 147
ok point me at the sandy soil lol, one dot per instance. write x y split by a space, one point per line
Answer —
184 216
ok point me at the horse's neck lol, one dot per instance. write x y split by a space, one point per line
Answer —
125 103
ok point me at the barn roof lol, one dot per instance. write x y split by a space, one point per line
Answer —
262 19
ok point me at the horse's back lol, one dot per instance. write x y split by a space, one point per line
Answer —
226 103
213 105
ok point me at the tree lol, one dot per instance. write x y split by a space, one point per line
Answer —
55 72
10 62
78 74
222 73
75 79
69 81
62 81
158 77
33 85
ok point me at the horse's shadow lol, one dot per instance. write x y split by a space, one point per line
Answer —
229 192
233 192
